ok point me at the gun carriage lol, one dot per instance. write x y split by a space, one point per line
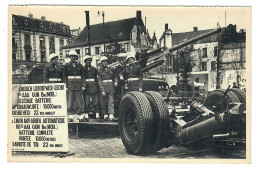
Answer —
147 124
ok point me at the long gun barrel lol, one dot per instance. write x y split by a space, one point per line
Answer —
156 54
153 56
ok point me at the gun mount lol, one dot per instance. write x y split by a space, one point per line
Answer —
146 127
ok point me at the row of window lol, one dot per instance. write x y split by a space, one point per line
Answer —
27 41
42 47
51 42
42 42
170 60
204 66
28 56
205 52
108 48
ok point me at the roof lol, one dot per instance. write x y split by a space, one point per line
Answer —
183 36
231 35
180 37
119 30
39 25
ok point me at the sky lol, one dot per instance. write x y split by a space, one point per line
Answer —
179 19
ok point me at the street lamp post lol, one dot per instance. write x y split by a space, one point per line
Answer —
87 22
103 16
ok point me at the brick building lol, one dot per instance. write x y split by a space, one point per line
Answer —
32 42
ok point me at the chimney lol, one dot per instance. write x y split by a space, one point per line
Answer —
242 31
166 26
145 22
87 18
138 15
87 23
43 17
195 29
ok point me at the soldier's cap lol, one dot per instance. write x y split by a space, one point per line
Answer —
73 53
87 57
130 56
103 58
53 55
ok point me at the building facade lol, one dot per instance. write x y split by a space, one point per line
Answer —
232 58
130 34
33 40
228 46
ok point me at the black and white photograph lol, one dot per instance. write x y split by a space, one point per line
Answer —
129 83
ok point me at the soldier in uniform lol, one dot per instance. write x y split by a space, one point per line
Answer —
92 84
74 79
53 73
109 80
132 75
119 90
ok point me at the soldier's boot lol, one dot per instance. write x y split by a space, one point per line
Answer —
112 118
106 118
86 118
98 119
81 118
70 118
76 118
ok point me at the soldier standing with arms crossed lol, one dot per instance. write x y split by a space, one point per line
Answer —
109 80
74 79
132 74
93 84
53 73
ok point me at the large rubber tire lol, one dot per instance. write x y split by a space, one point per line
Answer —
214 99
240 94
162 120
136 123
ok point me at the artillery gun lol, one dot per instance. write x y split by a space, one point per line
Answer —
147 125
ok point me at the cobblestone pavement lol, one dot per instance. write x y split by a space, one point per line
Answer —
100 147
107 145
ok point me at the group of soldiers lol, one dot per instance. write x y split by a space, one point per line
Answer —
91 90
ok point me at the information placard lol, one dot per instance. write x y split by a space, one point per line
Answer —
39 118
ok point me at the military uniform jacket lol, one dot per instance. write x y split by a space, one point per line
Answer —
53 74
107 79
74 76
92 80
133 75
